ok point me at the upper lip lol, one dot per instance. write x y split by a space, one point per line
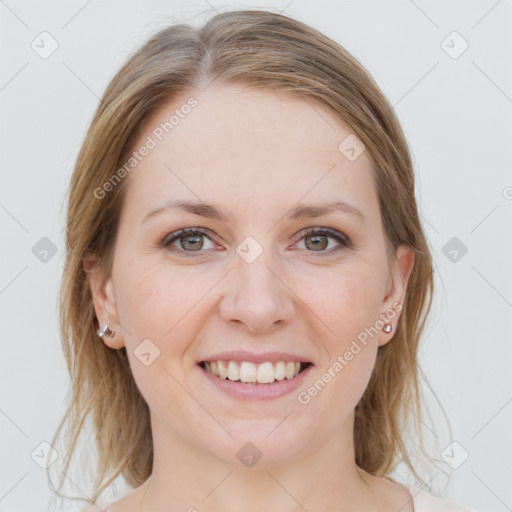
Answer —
243 355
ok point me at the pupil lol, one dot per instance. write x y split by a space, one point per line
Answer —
196 244
318 241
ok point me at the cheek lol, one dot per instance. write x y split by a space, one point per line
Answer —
163 303
147 303
169 307
158 308
346 300
348 379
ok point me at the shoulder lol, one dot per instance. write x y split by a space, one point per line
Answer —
425 502
126 503
98 507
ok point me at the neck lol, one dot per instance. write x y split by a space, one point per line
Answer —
187 478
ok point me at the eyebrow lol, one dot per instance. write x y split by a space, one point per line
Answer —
214 212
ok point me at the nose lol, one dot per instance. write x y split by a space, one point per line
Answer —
257 297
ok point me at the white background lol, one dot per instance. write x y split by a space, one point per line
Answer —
456 113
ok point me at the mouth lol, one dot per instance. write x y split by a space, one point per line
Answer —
247 372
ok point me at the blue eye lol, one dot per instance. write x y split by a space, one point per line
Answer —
192 240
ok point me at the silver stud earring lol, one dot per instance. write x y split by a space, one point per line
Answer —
105 331
387 328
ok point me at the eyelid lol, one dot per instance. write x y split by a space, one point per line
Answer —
342 239
176 235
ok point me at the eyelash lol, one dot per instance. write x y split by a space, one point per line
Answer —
342 239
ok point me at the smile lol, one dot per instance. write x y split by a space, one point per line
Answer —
248 372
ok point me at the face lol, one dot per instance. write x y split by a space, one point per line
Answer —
257 279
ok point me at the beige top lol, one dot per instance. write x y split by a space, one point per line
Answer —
425 502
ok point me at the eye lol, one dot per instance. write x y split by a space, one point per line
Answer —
188 240
317 240
192 240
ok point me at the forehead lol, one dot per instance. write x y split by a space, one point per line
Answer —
249 150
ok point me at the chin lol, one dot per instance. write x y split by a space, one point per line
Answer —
261 447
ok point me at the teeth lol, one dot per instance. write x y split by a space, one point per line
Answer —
223 371
233 371
290 370
264 373
248 372
280 370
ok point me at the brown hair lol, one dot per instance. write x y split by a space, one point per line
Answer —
269 51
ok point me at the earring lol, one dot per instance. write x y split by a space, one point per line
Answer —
104 330
387 328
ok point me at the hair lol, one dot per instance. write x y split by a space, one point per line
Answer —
267 51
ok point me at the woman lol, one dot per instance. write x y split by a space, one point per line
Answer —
247 277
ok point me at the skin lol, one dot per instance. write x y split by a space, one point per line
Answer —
256 154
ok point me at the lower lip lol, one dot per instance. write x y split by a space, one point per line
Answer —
255 391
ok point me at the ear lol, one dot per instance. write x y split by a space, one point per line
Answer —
102 290
395 293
